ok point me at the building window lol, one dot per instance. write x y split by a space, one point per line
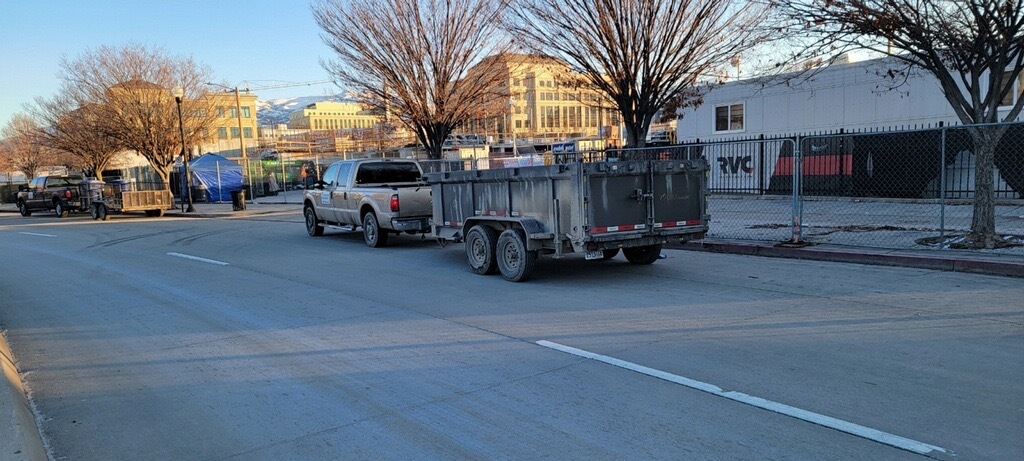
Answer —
234 112
246 113
222 133
247 131
1015 93
729 118
234 132
220 111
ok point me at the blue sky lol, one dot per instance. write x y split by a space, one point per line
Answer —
262 42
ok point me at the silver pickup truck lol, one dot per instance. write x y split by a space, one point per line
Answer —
383 196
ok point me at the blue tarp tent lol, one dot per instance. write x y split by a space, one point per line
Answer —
218 174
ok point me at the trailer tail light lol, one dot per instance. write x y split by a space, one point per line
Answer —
67 194
394 203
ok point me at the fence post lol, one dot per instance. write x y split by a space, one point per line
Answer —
762 186
797 203
942 185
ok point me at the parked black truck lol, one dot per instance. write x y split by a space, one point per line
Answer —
59 193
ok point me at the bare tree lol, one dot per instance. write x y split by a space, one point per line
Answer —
974 48
641 54
80 133
22 147
420 61
129 88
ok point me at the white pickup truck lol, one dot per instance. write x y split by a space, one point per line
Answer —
383 196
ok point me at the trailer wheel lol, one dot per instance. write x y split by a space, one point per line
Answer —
94 211
154 213
515 262
102 212
481 245
313 228
609 253
23 208
59 209
643 255
374 236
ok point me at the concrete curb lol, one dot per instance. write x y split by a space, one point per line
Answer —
1007 267
19 435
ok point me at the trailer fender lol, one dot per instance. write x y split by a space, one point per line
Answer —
533 228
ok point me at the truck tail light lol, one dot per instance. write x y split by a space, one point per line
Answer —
67 194
394 203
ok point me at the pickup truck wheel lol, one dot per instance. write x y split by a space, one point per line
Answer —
515 262
59 209
481 244
23 209
313 228
609 253
374 236
643 255
101 211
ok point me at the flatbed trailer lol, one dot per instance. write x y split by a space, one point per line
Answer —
595 203
107 199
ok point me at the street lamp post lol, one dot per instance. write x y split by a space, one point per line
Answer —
178 93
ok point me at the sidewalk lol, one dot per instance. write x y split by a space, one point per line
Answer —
943 260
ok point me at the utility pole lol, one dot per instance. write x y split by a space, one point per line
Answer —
241 140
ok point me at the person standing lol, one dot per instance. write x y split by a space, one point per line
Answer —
272 187
303 175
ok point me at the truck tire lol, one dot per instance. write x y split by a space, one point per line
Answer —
515 262
102 212
154 213
481 244
313 228
374 236
59 209
23 209
609 253
643 255
94 211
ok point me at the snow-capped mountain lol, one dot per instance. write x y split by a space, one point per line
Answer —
275 111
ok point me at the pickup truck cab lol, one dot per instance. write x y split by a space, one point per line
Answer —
61 194
382 196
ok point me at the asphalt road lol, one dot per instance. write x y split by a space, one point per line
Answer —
223 339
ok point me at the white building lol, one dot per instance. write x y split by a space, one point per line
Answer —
853 96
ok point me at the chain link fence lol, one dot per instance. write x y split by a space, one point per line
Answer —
910 189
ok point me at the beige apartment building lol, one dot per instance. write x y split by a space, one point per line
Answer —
543 104
234 122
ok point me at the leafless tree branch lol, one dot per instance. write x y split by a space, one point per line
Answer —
418 60
641 54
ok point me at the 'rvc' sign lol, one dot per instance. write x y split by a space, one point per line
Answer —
734 165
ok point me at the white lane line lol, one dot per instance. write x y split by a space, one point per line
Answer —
37 234
811 417
196 258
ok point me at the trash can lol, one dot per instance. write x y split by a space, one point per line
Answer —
200 194
120 185
238 200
